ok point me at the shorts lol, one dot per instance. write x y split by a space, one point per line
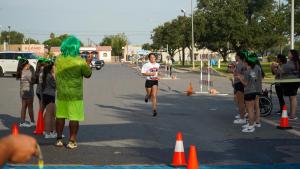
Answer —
238 87
38 96
250 96
47 99
151 83
290 89
71 110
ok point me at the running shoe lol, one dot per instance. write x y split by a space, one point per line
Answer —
49 136
240 121
249 129
154 113
237 116
245 126
59 143
146 99
72 145
24 124
258 125
32 124
293 118
55 134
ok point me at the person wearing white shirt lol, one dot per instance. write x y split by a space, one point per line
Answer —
150 70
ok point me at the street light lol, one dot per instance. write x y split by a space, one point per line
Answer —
292 24
192 12
183 11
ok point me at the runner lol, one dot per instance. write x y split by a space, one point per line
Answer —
48 91
239 88
150 70
25 73
70 69
249 80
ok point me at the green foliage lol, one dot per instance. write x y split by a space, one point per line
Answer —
15 37
116 42
56 41
147 46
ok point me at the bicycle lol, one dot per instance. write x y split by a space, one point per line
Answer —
265 102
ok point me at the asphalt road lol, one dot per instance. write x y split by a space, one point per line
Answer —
119 128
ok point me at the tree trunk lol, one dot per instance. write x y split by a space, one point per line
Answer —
191 56
183 57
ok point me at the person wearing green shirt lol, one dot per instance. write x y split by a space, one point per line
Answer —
70 69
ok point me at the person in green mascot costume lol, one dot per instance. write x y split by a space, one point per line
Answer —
70 69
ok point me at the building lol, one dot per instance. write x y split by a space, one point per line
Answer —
38 49
100 52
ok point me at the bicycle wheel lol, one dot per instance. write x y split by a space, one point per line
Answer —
265 105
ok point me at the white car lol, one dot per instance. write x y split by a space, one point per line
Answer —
9 62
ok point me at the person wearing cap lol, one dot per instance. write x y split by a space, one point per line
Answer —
249 80
25 73
70 69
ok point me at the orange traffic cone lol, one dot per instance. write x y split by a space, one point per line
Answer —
189 90
40 124
14 129
193 161
179 156
284 121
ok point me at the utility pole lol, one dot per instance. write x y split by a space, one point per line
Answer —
8 37
292 24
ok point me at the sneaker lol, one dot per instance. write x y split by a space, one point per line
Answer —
245 126
154 113
24 124
72 145
258 125
293 118
249 129
237 116
49 136
59 143
146 99
279 112
240 121
32 124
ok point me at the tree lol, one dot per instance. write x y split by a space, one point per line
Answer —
147 46
224 26
116 42
13 37
56 41
31 41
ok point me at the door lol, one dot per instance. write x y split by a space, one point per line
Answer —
11 62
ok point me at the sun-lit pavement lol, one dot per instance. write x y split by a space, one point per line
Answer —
119 128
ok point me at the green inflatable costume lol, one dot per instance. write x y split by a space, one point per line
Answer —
70 69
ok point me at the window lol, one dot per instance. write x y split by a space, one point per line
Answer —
104 54
9 56
1 55
28 55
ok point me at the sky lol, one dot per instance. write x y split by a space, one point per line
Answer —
90 19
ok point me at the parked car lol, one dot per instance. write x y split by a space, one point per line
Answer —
99 64
9 62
